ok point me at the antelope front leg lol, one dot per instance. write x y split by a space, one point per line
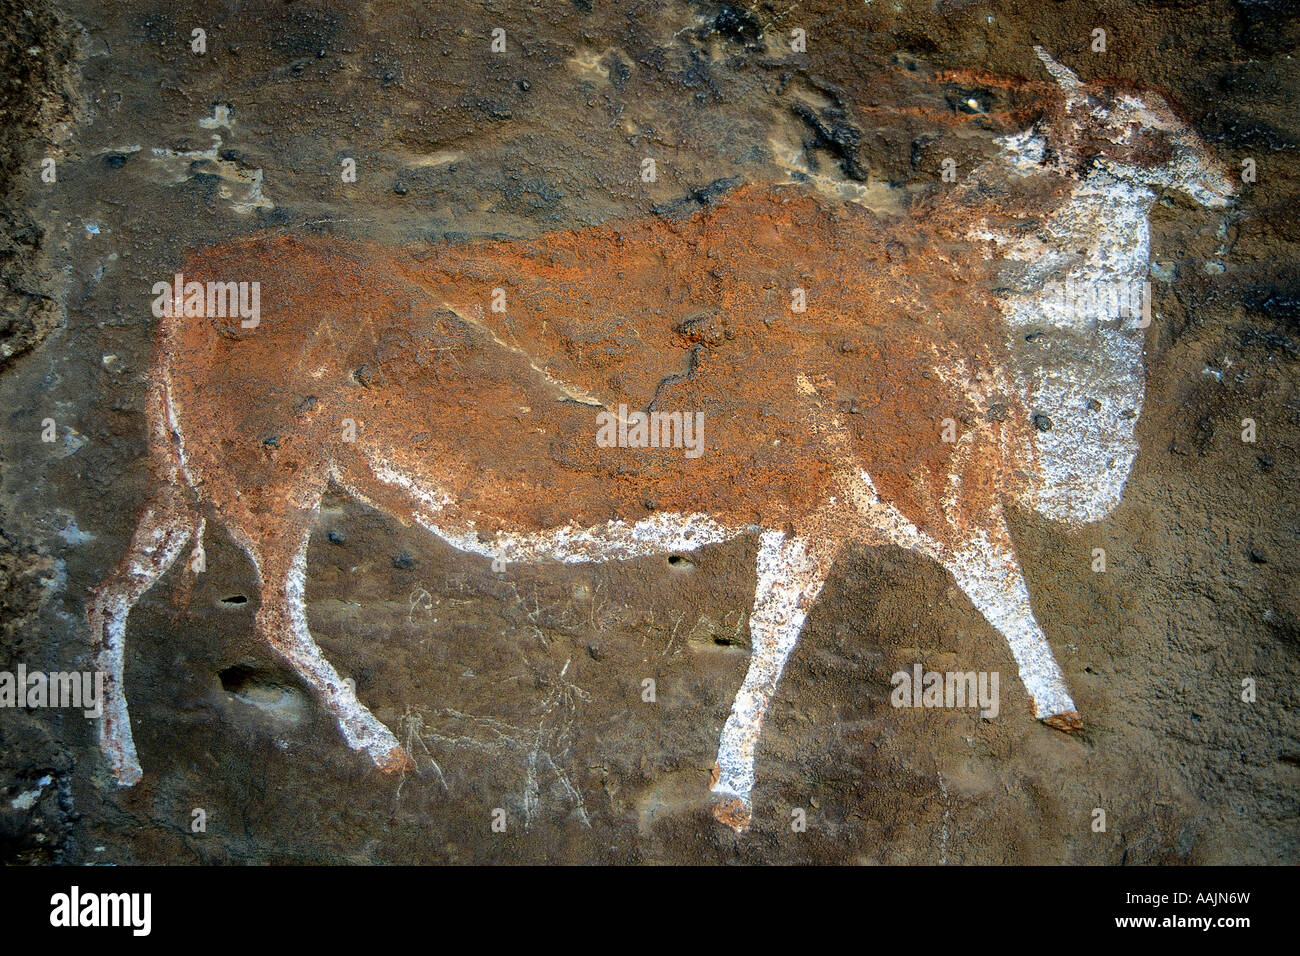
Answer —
989 572
791 572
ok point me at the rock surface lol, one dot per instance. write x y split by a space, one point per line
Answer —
523 691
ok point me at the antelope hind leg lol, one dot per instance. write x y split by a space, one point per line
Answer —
282 621
164 528
791 572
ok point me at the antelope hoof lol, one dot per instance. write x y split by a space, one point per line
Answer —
122 761
1068 722
127 772
733 811
396 760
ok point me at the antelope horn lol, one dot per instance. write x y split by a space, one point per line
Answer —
1064 76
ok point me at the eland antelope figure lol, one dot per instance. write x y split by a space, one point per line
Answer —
459 387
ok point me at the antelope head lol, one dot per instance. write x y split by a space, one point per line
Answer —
1135 136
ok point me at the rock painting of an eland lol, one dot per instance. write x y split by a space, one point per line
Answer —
862 379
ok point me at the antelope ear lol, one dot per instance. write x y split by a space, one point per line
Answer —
1063 75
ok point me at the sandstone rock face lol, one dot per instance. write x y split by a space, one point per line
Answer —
338 351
